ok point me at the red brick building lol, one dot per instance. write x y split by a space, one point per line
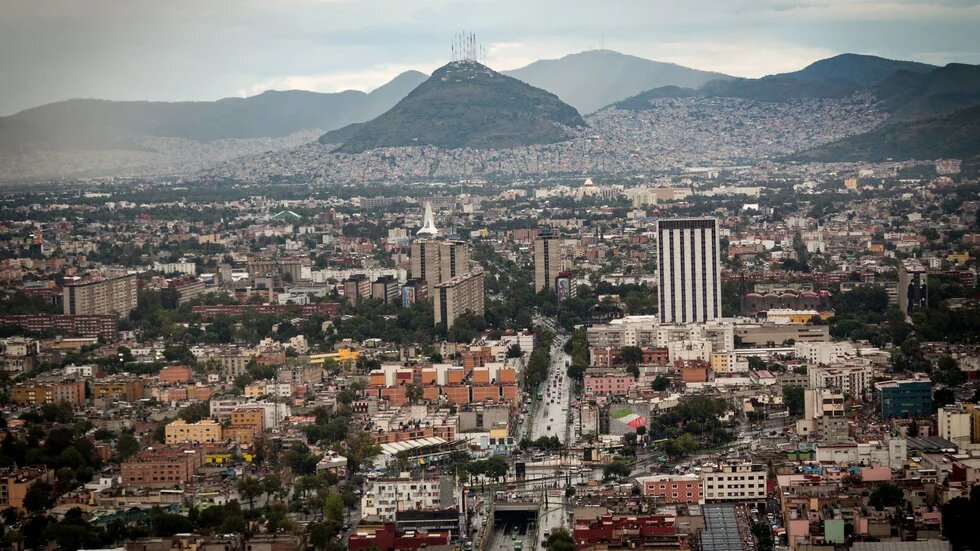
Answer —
389 539
82 326
651 532
673 489
161 467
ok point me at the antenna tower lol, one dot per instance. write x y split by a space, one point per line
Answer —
464 47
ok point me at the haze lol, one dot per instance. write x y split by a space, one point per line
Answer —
191 50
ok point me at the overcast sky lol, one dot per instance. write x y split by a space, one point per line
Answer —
208 49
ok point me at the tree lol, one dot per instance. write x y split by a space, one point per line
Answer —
559 540
127 446
618 468
195 412
38 497
793 398
633 370
333 508
250 488
272 485
959 521
576 370
886 494
763 536
680 446
167 524
948 372
631 355
414 393
661 383
514 351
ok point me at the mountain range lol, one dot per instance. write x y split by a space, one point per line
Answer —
547 97
591 80
91 124
954 134
834 77
465 104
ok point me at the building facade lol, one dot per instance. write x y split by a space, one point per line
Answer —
161 468
907 398
547 260
913 289
458 296
690 270
674 489
734 482
99 297
201 432
436 261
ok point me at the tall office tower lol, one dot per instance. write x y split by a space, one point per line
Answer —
436 261
425 260
456 296
547 260
912 286
690 270
454 259
114 295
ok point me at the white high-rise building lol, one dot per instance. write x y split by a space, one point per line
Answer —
690 270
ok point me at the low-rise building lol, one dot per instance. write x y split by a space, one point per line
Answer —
161 467
201 432
734 482
673 489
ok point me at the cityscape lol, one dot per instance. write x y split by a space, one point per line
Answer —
594 303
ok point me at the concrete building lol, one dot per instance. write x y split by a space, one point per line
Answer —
547 260
161 467
435 261
734 482
891 453
99 297
457 296
14 483
249 417
290 269
823 415
851 380
357 288
388 496
33 393
611 382
83 326
955 424
415 290
123 389
385 289
913 288
201 432
824 353
690 270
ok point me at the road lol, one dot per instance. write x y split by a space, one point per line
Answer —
552 415
503 535
553 418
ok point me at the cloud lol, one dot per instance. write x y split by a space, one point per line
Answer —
743 59
193 50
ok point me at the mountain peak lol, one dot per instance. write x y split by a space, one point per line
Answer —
593 79
860 69
465 104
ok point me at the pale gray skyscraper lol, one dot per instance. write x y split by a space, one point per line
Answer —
690 270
